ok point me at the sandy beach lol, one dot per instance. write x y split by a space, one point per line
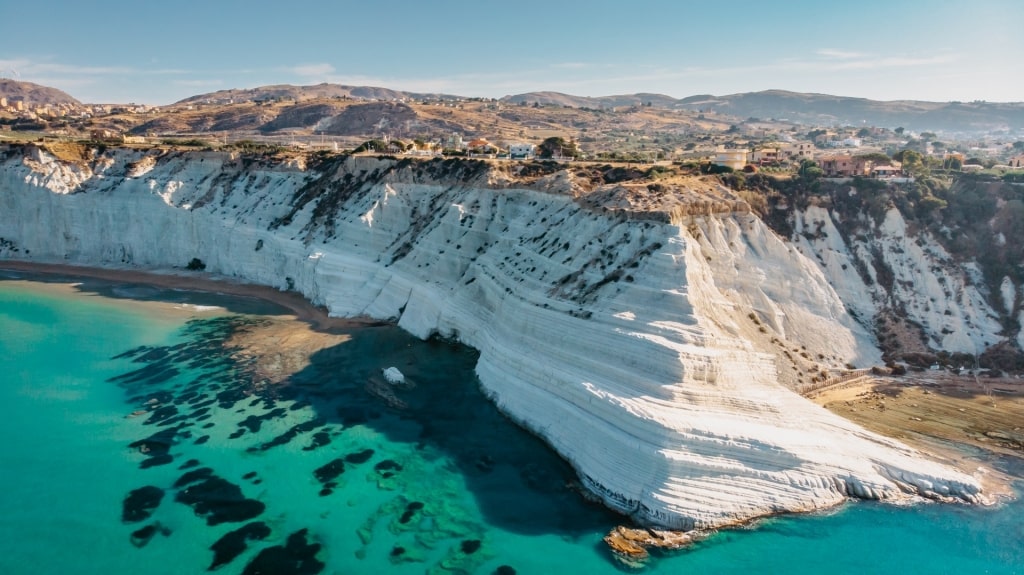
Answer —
278 346
195 281
976 424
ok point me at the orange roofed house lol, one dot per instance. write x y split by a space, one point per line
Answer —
481 147
844 166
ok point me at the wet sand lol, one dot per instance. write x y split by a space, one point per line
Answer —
975 424
276 347
197 282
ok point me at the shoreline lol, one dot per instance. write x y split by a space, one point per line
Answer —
176 279
947 446
629 543
973 424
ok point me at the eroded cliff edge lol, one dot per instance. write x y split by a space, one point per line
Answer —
652 337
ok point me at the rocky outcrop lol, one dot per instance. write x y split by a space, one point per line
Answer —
909 275
656 354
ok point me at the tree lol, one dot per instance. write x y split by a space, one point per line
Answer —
371 146
899 131
557 146
928 135
913 162
810 170
929 204
877 158
1019 145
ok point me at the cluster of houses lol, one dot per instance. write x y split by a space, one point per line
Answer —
835 165
475 148
103 135
31 111
737 158
848 166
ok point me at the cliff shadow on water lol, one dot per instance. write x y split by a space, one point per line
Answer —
519 483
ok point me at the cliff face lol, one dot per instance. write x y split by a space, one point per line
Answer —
909 275
656 353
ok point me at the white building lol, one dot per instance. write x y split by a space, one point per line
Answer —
455 142
766 156
522 151
734 159
799 151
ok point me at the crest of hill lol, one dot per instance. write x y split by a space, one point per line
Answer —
560 99
813 109
805 108
351 117
30 93
315 92
828 109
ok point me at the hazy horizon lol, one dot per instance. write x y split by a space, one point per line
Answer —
117 51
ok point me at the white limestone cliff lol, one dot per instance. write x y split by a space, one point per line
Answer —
940 295
656 356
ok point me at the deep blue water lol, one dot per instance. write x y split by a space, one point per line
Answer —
324 474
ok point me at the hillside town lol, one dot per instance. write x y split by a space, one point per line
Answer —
382 122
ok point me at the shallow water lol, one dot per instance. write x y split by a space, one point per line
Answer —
335 471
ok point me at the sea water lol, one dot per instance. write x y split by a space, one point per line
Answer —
135 440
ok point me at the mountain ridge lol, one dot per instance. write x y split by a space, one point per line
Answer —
814 109
803 107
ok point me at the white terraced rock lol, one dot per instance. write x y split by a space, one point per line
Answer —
626 342
926 282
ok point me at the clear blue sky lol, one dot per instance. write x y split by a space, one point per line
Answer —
157 52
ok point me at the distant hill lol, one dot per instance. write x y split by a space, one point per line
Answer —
560 99
813 109
31 93
316 92
823 109
803 108
365 110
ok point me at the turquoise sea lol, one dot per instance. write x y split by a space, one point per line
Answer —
136 441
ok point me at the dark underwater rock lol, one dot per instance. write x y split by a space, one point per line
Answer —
470 546
234 543
216 499
330 470
296 557
140 503
358 457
